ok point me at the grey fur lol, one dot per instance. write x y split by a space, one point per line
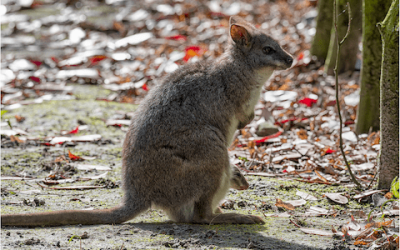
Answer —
175 153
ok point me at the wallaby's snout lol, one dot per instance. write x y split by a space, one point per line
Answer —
286 60
289 61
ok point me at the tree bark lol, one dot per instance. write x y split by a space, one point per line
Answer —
389 153
349 50
374 11
320 44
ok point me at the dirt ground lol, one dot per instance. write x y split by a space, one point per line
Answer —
151 230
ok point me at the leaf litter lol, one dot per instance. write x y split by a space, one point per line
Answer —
129 53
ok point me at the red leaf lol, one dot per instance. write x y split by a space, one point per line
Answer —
192 51
96 59
144 87
50 144
307 101
54 59
37 63
75 131
348 122
177 38
35 79
268 137
331 103
329 151
74 157
300 56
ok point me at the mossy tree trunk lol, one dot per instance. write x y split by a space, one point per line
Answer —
320 44
374 11
389 153
349 49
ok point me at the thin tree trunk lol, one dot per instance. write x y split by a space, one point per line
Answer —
320 44
389 153
349 50
374 11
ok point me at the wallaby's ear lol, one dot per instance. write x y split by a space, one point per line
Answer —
232 20
240 35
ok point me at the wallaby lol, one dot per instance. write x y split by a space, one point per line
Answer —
238 181
175 153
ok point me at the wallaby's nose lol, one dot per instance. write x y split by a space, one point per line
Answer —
289 60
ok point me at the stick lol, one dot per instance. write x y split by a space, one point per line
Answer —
337 86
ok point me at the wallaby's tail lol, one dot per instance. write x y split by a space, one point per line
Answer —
114 215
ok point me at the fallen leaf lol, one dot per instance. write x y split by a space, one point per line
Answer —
307 101
91 167
192 51
280 203
379 224
306 196
75 131
74 157
367 193
297 203
336 197
19 118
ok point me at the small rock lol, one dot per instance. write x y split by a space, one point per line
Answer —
242 204
32 241
210 233
266 128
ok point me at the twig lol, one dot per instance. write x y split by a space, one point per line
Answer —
337 86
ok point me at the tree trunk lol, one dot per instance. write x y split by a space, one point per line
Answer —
320 44
389 153
349 49
374 11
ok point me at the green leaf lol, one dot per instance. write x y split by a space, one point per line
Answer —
394 189
3 112
74 236
243 158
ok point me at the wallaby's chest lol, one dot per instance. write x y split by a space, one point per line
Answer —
247 109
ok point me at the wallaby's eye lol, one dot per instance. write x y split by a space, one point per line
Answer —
268 50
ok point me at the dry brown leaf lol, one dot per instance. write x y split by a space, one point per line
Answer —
280 203
302 134
19 118
379 224
251 145
376 140
360 242
245 134
61 159
14 138
320 176
388 195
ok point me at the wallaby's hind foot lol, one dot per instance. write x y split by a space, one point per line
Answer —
232 218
